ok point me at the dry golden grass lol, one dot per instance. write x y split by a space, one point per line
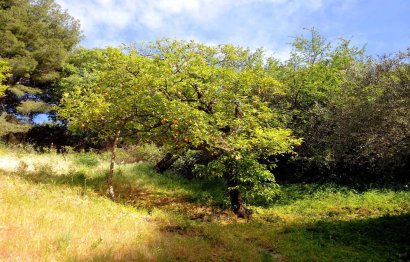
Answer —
40 222
32 162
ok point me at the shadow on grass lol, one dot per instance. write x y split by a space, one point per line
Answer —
374 239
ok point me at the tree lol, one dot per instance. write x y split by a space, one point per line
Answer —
350 109
118 102
213 101
314 78
315 71
371 119
35 38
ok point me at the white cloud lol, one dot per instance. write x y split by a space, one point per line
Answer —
109 22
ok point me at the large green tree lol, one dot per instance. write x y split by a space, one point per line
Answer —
185 96
313 77
35 39
214 103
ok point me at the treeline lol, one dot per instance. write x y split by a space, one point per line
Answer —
329 113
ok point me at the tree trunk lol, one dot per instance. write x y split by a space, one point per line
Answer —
236 199
112 164
166 162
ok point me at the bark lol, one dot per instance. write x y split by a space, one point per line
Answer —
166 162
236 200
110 190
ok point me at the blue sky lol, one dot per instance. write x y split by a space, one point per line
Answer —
383 25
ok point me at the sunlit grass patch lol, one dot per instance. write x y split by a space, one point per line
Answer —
304 204
86 159
54 222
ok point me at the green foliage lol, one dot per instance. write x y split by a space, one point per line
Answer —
87 159
231 105
315 72
4 74
81 69
361 133
22 90
35 37
10 125
214 103
186 96
117 101
349 109
380 136
257 184
149 153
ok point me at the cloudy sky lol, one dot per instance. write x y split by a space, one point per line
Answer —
382 25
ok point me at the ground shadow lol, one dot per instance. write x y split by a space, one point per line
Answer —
385 238
374 239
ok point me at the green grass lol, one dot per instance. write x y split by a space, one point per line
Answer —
87 159
53 207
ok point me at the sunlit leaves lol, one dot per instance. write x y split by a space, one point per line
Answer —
4 74
115 100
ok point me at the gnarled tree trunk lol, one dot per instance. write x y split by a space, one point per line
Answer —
166 162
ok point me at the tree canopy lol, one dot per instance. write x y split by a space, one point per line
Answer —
214 100
35 39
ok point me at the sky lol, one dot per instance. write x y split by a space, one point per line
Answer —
382 25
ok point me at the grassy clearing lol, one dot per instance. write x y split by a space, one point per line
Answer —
52 207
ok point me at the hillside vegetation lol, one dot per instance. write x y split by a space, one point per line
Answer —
177 150
53 207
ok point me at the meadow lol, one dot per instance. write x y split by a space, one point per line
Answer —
54 207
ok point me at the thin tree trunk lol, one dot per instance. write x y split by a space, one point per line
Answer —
235 197
112 164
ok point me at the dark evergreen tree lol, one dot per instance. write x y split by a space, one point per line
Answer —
35 39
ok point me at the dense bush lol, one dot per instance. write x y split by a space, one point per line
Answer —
352 112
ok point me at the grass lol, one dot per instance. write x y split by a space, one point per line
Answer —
53 208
